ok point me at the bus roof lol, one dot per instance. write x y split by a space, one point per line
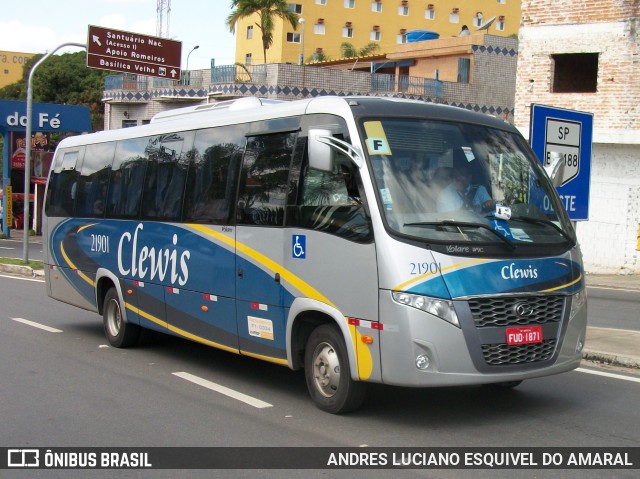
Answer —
250 109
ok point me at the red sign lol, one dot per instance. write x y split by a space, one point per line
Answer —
109 49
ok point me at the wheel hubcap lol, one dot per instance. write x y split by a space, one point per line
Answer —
326 369
114 318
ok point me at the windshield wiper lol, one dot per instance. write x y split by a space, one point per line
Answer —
545 222
442 223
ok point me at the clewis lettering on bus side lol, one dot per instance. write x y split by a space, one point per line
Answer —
511 272
149 263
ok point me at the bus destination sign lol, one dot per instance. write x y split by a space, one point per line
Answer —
115 50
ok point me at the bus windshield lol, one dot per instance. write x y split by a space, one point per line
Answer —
462 183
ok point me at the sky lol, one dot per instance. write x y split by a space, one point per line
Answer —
39 26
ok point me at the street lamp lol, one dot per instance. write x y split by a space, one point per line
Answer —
187 75
301 59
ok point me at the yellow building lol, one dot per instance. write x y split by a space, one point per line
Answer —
11 66
329 23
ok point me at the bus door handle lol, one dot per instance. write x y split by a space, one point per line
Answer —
276 278
240 273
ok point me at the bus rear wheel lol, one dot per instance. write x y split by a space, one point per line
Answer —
119 333
326 366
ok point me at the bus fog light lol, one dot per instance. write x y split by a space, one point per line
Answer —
579 346
422 362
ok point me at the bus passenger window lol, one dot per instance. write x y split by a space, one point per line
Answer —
264 181
127 179
63 187
212 177
166 174
94 180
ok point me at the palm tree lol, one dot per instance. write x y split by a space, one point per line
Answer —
349 51
268 10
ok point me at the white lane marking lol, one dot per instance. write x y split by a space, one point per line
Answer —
613 288
5 247
22 279
37 325
608 375
257 403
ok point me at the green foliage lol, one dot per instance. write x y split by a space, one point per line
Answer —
62 79
267 10
349 51
318 57
33 264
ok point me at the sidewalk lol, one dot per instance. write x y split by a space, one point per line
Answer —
604 345
613 346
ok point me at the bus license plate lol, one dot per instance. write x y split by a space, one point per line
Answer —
524 335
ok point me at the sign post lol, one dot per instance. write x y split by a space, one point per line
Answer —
567 135
128 52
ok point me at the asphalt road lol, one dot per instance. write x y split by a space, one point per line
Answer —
66 387
14 247
609 308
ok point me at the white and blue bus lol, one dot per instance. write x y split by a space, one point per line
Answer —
361 239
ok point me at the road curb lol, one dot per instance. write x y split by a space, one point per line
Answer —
21 270
611 359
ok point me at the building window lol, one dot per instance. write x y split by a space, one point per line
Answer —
502 1
401 38
295 8
575 73
464 70
293 37
403 10
347 32
454 17
319 29
500 25
129 123
247 59
349 3
321 2
249 32
376 7
430 14
375 36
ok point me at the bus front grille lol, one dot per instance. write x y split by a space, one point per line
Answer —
507 311
499 354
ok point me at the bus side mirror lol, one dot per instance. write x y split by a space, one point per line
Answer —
321 154
555 169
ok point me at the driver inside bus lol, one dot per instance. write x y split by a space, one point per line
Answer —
462 194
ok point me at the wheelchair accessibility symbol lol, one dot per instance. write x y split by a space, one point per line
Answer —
299 246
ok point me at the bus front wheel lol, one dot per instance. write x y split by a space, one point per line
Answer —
326 366
119 333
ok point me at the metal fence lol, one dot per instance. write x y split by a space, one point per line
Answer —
327 79
301 78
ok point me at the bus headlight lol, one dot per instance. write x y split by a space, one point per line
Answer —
578 301
441 308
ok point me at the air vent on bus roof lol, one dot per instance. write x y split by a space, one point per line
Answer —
245 103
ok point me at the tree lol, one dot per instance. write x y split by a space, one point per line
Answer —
62 79
267 10
349 51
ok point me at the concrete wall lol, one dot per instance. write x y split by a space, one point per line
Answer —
609 28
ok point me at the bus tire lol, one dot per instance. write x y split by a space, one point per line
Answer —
119 333
326 366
